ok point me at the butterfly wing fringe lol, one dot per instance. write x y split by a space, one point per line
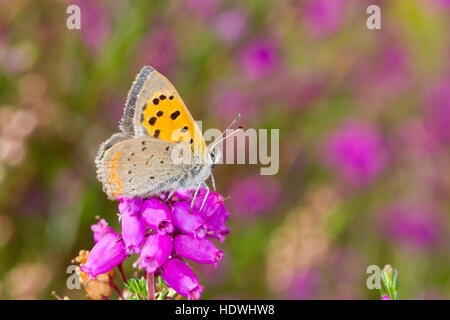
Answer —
126 122
105 146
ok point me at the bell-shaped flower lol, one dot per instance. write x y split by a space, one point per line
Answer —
211 204
187 222
107 253
181 195
198 250
157 248
216 226
157 215
131 205
181 278
133 227
100 229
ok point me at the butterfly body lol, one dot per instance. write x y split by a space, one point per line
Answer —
160 148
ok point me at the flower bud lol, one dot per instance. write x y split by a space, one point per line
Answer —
157 215
100 229
191 223
107 253
181 278
216 225
133 227
198 250
156 250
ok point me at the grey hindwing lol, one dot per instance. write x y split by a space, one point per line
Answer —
108 144
126 122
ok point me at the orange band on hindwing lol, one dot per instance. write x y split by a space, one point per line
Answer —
114 180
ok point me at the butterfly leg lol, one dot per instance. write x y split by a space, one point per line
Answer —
173 191
213 182
170 195
195 197
206 196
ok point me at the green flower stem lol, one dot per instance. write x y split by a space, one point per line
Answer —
151 286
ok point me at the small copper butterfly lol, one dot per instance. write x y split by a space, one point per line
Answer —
138 161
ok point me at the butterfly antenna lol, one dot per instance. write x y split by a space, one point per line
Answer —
219 140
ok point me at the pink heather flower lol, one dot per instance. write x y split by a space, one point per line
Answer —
190 223
254 195
165 218
181 195
258 59
323 17
419 226
131 206
230 25
215 226
198 250
156 250
212 203
107 253
100 229
133 227
157 215
386 298
356 152
181 278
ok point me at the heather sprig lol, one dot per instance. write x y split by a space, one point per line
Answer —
164 233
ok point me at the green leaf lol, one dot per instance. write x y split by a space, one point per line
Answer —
138 289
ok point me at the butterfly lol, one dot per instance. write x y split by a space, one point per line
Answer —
156 131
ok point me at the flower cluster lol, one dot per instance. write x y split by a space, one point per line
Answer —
163 233
357 152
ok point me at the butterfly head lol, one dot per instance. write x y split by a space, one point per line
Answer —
214 157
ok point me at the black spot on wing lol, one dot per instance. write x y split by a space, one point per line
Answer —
174 115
